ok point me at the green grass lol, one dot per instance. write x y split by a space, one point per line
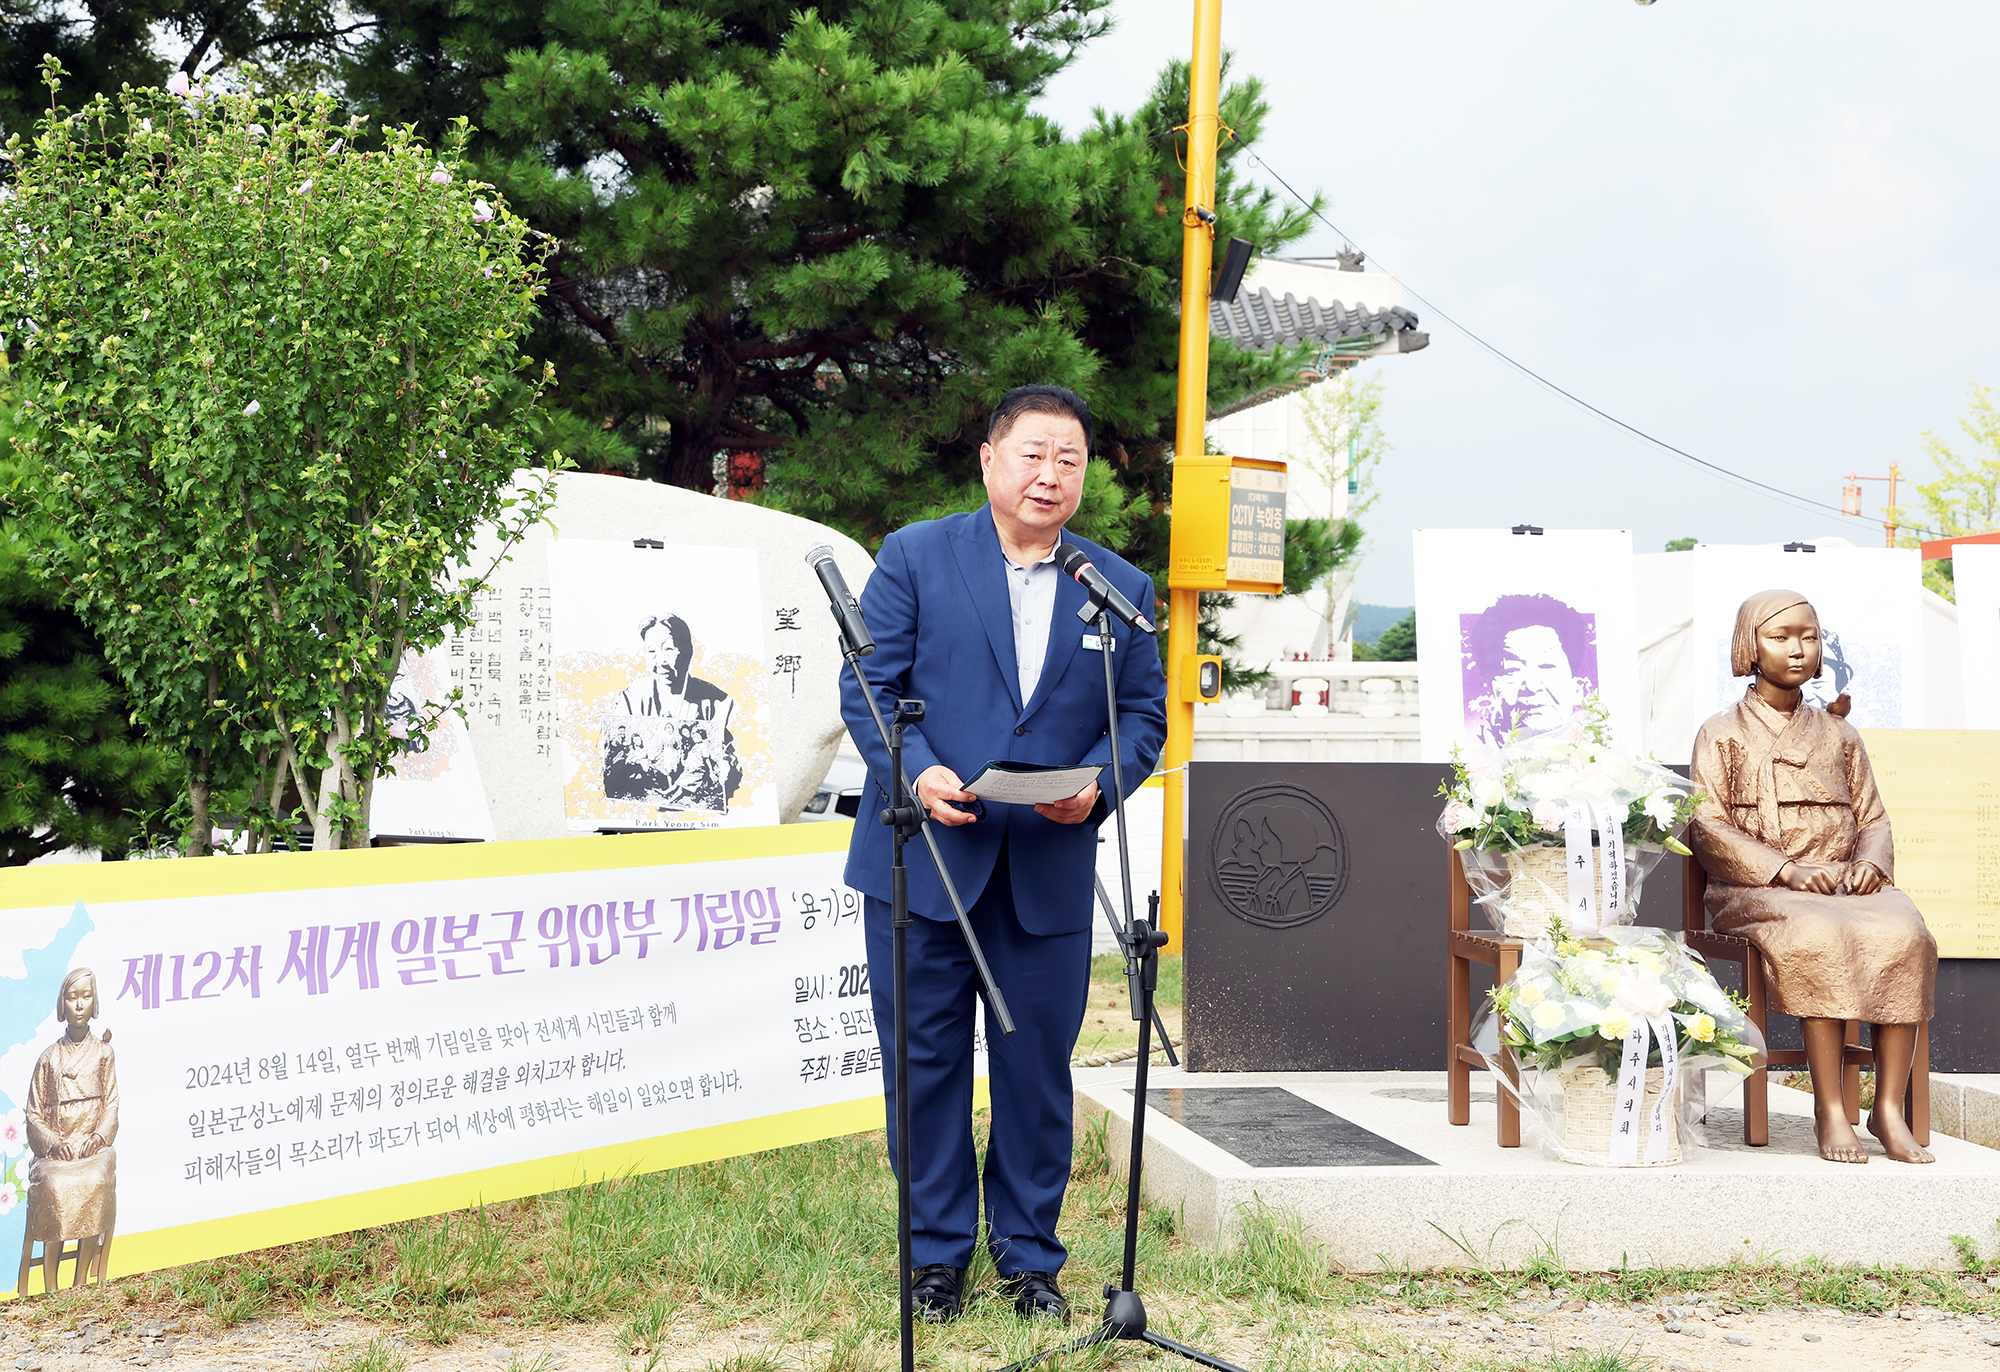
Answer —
377 1355
797 1245
1108 1024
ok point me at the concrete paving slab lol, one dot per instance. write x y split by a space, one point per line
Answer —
1483 1204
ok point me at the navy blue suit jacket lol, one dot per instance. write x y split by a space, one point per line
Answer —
938 608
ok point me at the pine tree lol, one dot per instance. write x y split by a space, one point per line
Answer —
106 43
72 774
827 240
1397 643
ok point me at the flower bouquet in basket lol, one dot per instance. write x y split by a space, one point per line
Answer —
1623 1021
1560 826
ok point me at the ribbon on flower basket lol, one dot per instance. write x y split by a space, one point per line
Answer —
1582 816
1625 1120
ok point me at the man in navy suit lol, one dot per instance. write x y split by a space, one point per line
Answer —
971 616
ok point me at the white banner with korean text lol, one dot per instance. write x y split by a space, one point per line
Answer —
285 1046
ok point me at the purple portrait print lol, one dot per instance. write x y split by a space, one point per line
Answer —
1527 662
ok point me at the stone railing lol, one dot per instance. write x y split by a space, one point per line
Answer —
1372 690
1348 712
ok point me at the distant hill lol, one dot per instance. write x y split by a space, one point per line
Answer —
1371 620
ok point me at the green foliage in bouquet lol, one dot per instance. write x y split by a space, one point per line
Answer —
1519 795
1578 1000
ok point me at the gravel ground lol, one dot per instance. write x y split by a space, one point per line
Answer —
1699 1336
1669 1337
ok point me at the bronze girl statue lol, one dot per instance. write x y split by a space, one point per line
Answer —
1800 861
72 1117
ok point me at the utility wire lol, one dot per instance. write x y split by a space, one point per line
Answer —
1573 398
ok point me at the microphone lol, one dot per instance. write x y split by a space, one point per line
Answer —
846 609
1071 560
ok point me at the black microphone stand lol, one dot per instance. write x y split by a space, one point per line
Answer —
1118 933
1124 1312
905 816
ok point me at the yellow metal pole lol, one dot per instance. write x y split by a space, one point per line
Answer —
1197 241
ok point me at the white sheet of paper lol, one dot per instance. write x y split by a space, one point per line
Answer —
1030 788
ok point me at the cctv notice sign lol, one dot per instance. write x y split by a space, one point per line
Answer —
1257 524
300 1044
1228 525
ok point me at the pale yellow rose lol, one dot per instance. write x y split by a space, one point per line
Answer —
1702 1029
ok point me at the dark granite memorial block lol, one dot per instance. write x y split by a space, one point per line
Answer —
1314 917
1268 1126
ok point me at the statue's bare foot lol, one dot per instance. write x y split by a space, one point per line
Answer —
1837 1139
1897 1140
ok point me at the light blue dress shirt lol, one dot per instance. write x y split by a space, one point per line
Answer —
1031 592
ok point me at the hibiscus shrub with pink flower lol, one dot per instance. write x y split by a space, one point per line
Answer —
272 366
1519 794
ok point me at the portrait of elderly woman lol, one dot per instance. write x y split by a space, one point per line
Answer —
72 1117
1800 860
667 742
1528 662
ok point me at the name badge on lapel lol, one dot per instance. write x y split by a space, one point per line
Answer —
1095 645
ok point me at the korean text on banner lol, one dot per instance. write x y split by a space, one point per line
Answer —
310 1043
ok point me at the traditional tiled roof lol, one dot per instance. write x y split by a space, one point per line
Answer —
1259 320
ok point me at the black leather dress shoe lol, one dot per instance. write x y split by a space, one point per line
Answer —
935 1294
1036 1296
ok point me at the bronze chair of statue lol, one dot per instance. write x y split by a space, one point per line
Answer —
1853 1056
88 1268
1464 946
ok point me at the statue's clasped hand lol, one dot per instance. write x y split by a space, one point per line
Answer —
1862 879
1831 878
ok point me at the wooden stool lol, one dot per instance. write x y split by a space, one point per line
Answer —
1465 946
1853 1057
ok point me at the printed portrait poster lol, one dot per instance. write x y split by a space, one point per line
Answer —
435 791
1514 631
1975 575
662 712
1870 614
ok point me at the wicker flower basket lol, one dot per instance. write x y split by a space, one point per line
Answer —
1538 887
1590 1099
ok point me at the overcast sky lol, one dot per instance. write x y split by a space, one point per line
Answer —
1763 232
